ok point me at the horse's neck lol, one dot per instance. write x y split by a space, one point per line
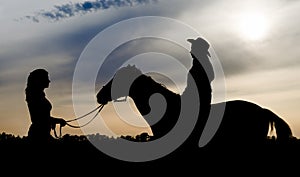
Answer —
162 120
142 98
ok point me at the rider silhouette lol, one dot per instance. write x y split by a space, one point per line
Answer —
203 74
199 52
40 107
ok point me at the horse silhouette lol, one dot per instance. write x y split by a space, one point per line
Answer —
243 122
142 89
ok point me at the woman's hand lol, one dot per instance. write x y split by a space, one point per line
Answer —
62 122
57 120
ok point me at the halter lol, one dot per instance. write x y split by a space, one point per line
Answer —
99 108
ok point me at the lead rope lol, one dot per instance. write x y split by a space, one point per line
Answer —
79 126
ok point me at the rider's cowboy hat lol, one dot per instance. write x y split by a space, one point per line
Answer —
200 44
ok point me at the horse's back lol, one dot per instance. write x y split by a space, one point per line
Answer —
242 122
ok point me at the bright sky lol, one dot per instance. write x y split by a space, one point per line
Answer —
255 41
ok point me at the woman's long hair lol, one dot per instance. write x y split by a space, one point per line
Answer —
35 77
35 83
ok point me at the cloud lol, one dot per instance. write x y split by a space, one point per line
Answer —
71 9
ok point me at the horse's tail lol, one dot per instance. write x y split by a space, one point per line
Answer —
283 130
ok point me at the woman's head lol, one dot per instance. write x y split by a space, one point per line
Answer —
38 78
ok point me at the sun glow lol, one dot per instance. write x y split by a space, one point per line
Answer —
253 26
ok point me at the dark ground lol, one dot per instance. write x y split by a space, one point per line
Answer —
77 154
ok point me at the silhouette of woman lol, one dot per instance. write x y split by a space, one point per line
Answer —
39 108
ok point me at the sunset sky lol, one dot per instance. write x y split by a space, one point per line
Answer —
256 41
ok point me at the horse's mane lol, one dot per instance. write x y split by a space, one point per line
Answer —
131 71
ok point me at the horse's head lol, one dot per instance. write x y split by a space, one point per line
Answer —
119 85
130 81
157 111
